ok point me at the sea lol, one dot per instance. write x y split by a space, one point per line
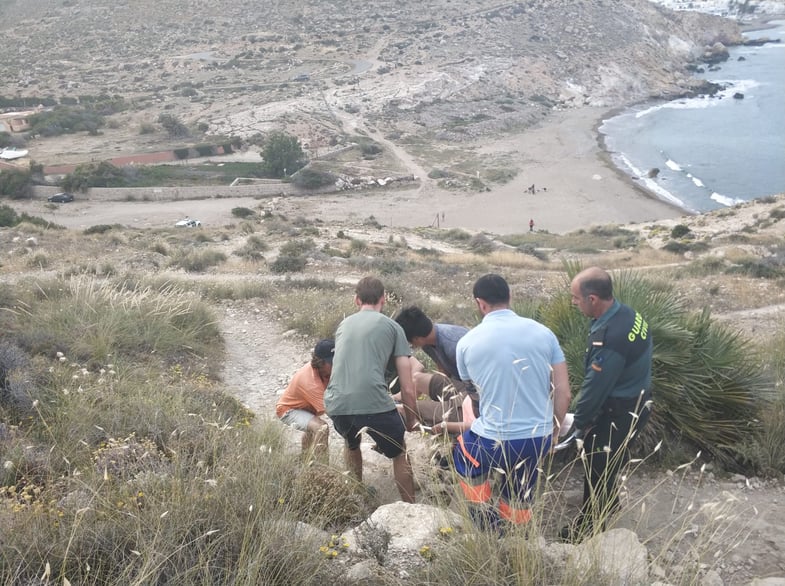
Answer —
716 151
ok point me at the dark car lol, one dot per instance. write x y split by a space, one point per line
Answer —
60 198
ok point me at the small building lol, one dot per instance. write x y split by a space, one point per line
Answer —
14 122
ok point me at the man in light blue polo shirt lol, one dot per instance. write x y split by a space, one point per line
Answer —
519 371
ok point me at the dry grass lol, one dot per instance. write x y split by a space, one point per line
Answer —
192 417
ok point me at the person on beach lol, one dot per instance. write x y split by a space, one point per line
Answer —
531 225
519 371
614 402
357 397
302 403
440 394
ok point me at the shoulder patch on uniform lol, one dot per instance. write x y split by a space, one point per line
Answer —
597 343
596 367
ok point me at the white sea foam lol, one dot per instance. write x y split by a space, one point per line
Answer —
697 182
731 87
650 183
725 200
649 135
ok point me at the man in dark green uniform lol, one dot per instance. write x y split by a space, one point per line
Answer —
614 401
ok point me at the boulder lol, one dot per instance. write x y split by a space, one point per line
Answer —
717 53
396 534
617 555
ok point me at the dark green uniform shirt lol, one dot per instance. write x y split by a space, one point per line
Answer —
618 361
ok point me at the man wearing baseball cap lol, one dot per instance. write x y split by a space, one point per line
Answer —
302 403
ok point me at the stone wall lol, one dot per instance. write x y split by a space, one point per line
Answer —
183 193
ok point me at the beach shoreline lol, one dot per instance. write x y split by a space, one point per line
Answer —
577 184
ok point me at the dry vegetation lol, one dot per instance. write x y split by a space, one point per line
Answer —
126 457
137 385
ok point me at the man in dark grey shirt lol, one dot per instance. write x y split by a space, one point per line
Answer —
441 393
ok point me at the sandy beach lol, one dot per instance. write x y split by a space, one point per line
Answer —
576 187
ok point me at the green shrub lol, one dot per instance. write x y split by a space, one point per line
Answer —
87 175
680 231
312 179
763 268
66 120
357 246
205 150
532 250
101 228
241 212
8 216
500 176
39 260
297 247
197 261
676 247
288 264
15 184
705 266
160 248
370 148
456 235
480 244
438 174
173 126
253 248
777 213
372 222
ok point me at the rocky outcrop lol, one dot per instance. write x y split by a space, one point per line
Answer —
400 539
717 53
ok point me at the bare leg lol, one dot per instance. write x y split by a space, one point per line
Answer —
404 478
316 439
354 461
422 382
417 366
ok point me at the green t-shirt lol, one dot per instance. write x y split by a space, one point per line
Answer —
364 344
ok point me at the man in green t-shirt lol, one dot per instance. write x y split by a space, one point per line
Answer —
357 398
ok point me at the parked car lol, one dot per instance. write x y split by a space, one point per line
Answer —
188 223
60 198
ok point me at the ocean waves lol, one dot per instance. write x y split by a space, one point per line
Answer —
707 152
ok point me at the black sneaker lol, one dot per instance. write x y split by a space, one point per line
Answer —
566 534
575 532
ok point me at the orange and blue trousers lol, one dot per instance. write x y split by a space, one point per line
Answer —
516 460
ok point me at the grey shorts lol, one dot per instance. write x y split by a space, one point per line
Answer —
297 418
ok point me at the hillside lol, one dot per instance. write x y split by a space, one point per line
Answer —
413 71
501 95
731 262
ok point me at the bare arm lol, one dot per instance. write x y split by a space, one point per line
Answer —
561 394
403 366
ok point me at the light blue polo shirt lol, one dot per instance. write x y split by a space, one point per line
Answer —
509 359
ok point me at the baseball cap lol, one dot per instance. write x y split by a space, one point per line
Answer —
324 349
